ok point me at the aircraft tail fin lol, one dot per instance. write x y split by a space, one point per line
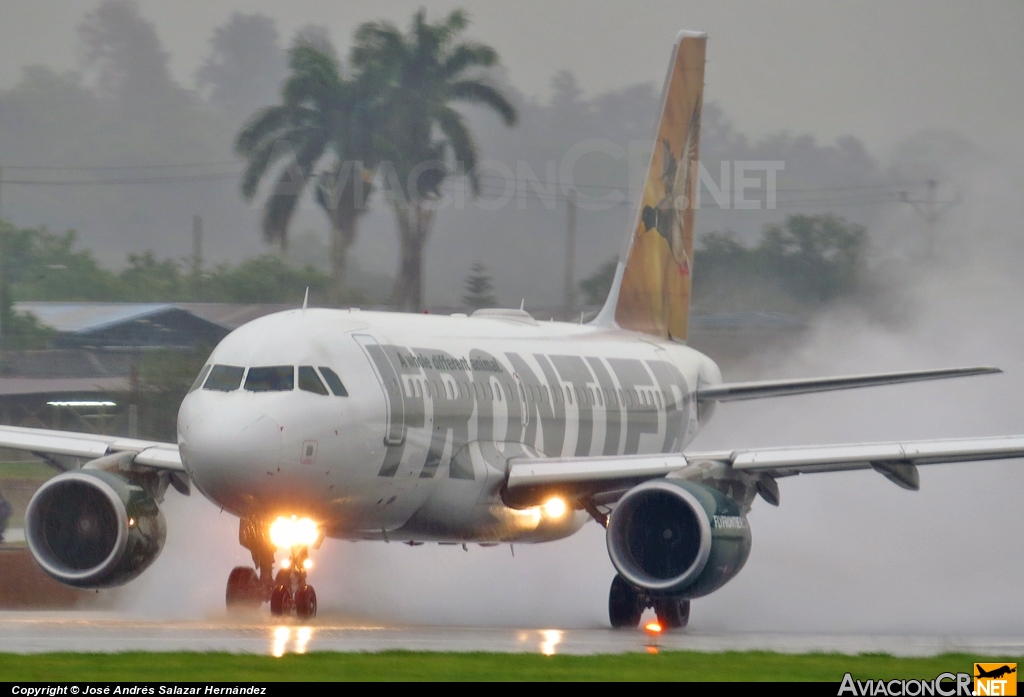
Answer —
651 290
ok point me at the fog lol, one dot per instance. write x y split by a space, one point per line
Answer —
844 552
831 91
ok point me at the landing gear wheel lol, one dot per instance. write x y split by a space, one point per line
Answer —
281 601
243 589
673 613
624 604
305 603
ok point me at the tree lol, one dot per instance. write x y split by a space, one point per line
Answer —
245 66
597 285
426 71
803 263
479 288
321 136
130 64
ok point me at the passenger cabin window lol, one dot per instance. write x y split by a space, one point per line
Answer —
310 381
334 382
224 378
275 378
202 376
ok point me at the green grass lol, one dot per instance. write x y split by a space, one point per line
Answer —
28 469
407 665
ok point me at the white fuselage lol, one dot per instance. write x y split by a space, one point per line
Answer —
435 407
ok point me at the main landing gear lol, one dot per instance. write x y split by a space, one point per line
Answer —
287 592
627 603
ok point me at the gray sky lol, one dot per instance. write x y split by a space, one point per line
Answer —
877 70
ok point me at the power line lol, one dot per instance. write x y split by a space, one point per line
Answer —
119 167
864 198
118 182
606 187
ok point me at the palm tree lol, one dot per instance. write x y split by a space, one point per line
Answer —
426 71
325 121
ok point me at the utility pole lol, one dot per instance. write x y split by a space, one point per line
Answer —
931 209
2 278
570 256
197 254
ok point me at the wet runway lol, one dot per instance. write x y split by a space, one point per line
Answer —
36 632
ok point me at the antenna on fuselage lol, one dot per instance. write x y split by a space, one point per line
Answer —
522 304
305 300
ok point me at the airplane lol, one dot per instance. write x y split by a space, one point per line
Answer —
492 428
994 673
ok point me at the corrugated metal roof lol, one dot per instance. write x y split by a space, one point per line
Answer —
747 321
234 315
85 317
80 318
45 386
66 363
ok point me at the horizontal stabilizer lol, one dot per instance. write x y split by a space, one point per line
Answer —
735 391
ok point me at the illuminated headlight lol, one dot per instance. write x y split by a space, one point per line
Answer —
554 507
294 532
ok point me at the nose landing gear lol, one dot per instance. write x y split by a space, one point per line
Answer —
291 590
287 592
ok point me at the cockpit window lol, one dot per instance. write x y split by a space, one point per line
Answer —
309 381
275 378
334 381
224 378
202 376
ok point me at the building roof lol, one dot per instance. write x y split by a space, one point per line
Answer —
10 386
74 318
124 325
746 322
85 317
66 363
234 315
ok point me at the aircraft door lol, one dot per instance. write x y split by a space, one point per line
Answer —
524 407
680 415
394 428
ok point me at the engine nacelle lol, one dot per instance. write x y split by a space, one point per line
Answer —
677 538
93 529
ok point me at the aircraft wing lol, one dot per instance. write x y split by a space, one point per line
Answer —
55 446
837 458
735 391
530 480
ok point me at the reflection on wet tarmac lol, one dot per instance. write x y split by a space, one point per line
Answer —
38 632
282 635
552 638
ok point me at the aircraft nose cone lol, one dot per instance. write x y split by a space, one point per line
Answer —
225 448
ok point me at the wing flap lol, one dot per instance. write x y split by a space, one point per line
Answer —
736 391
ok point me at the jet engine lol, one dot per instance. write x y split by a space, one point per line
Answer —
93 529
677 538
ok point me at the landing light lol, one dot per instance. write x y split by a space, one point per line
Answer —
82 403
653 628
555 507
294 532
308 564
